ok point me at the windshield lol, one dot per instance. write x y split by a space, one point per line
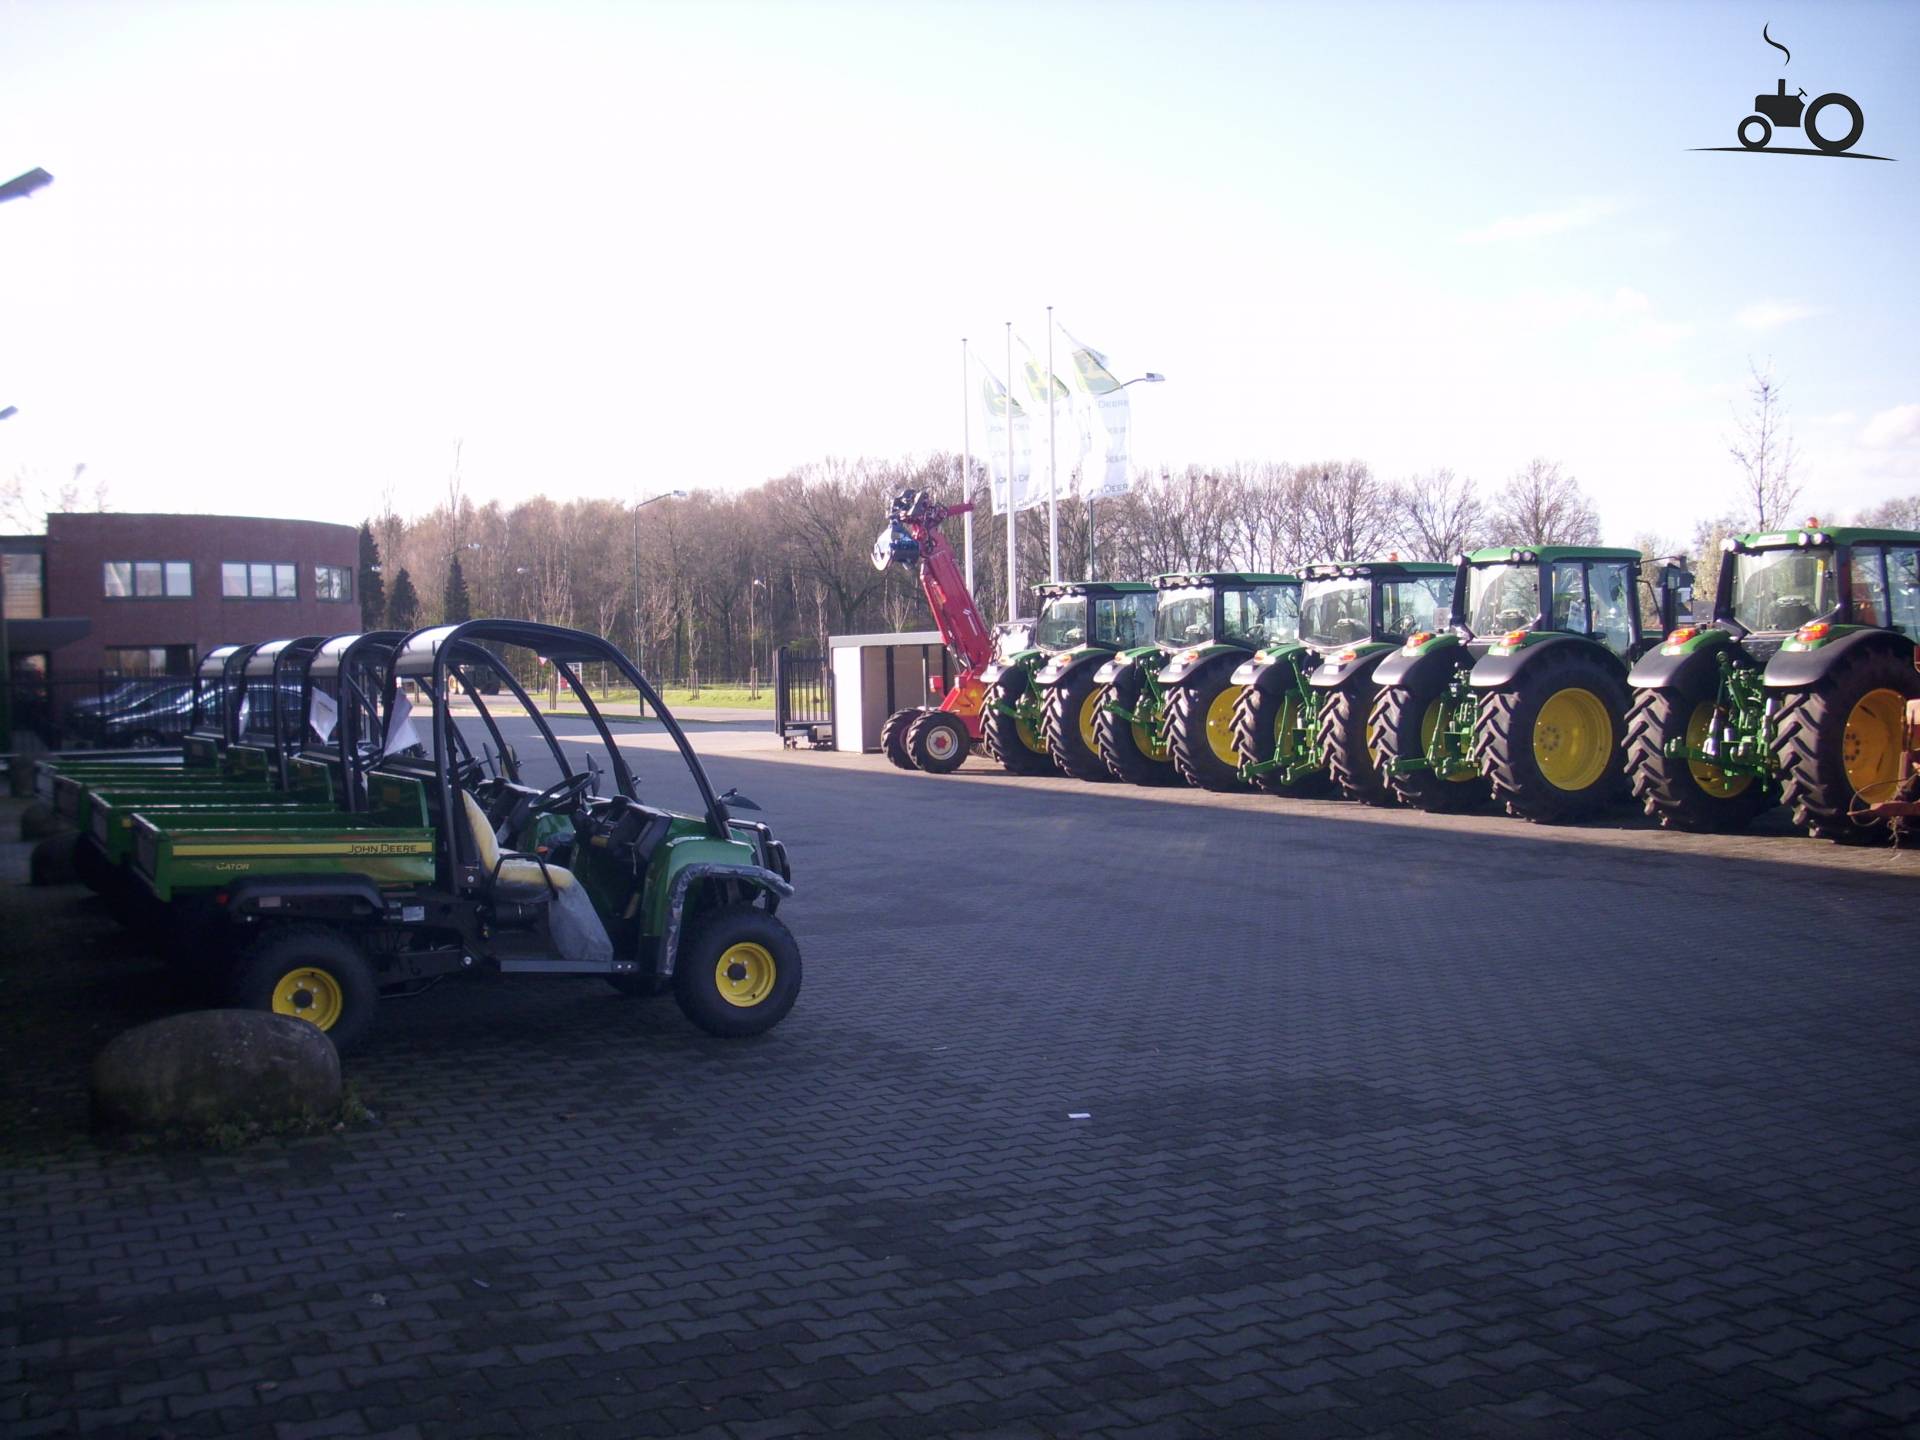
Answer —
1412 605
1783 589
1124 621
1184 617
1335 612
1063 623
1502 597
1262 616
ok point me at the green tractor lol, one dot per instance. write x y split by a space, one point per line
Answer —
1169 704
1795 691
1523 698
1043 703
1301 718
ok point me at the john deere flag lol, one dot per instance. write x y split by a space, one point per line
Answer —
1106 423
1001 410
1043 390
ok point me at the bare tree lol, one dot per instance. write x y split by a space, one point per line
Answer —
1542 505
1765 452
28 497
1441 514
1901 513
1347 513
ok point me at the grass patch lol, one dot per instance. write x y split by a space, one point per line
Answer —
351 1114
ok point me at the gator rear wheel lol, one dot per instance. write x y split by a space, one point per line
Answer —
1267 726
893 735
1069 721
1838 745
937 742
1685 794
1405 720
312 974
1200 728
737 972
1550 742
1343 743
91 866
1131 750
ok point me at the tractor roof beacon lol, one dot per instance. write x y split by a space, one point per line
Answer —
597 884
1794 692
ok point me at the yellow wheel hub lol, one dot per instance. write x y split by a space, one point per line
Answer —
1148 743
1430 727
1870 747
1220 726
744 974
1572 738
1030 738
1089 713
311 995
1710 778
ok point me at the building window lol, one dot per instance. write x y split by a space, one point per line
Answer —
332 582
146 579
139 660
25 592
258 580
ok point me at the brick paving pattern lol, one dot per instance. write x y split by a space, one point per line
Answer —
1395 1126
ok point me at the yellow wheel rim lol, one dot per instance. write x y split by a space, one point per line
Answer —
1030 738
1149 746
1089 713
1220 726
1870 747
1572 739
744 974
1429 727
1710 778
310 995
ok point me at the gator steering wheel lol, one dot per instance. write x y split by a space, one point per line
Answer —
561 797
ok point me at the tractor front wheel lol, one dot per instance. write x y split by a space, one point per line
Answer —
1069 723
937 742
1550 742
312 974
1405 720
1685 794
1267 726
1838 745
893 735
1132 751
1011 739
1200 728
1343 743
737 973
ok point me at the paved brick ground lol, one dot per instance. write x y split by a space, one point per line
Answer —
1397 1126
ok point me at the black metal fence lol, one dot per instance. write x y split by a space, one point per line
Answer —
802 696
103 710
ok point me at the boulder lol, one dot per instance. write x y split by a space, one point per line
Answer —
214 1068
52 861
38 821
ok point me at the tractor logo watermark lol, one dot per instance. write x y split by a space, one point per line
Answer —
1792 112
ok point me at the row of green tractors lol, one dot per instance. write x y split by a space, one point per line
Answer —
1551 681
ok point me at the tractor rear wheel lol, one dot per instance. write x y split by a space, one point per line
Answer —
1343 743
1685 794
1200 728
1838 745
1404 721
1131 751
1016 743
937 742
1266 726
1068 721
893 735
1550 742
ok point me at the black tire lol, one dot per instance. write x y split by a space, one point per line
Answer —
1509 749
1200 726
893 735
1120 748
1819 737
1071 711
1257 717
1671 788
1399 729
313 973
1846 141
91 866
1766 132
748 1000
1343 742
1006 744
938 743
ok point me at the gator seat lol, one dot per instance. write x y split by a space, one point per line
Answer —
514 877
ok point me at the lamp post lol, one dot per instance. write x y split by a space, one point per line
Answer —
17 188
1150 378
640 505
753 656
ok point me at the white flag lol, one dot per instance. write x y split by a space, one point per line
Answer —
1002 409
1105 420
322 714
1046 391
401 734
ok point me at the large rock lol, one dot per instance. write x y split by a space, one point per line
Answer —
38 821
52 861
212 1068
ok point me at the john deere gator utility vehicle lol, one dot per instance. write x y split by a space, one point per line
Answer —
1795 691
1521 695
1301 717
318 921
1043 701
1169 703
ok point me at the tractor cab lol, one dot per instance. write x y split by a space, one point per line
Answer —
1108 615
1792 589
1234 608
1506 595
1372 603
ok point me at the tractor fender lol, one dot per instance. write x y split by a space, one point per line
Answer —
683 881
1191 661
1274 666
301 896
1400 668
1148 658
1494 671
1068 662
1336 672
1668 667
1014 671
1799 669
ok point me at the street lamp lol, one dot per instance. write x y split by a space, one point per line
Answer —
22 186
17 188
753 656
1150 378
638 506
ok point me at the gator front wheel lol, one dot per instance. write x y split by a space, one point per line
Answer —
1838 745
1267 725
312 974
1343 743
737 973
1131 750
893 735
1200 728
1680 793
1069 724
1550 742
1405 723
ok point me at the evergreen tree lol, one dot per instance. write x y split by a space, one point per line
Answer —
404 612
373 590
456 604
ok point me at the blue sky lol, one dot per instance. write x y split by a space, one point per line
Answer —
293 252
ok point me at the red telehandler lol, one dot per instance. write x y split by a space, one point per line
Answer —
936 737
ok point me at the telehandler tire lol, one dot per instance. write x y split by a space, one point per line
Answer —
1838 745
1343 743
1685 794
1551 742
1129 750
1402 725
938 742
893 735
1069 724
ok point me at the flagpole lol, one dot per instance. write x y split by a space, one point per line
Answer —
1013 559
966 456
1053 487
